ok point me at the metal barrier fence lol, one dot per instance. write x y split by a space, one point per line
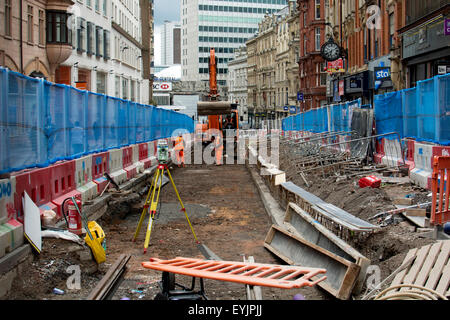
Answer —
42 122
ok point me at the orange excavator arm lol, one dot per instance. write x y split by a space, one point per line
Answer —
212 73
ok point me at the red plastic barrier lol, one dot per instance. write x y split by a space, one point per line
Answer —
128 162
370 181
36 184
62 183
409 154
143 155
440 151
100 165
379 154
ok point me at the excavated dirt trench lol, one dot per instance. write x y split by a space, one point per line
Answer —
227 215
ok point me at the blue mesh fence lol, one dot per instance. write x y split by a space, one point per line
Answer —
43 122
328 118
388 113
422 113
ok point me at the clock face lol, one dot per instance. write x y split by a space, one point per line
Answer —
331 51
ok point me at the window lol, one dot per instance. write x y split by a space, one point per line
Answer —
322 74
97 5
376 42
99 41
105 7
365 46
117 91
132 86
305 43
317 9
391 29
317 39
125 89
57 31
101 82
90 38
7 17
304 19
41 28
81 35
30 24
106 50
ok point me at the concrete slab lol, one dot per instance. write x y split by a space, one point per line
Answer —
272 207
341 273
303 225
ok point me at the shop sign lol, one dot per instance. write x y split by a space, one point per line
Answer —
335 66
382 73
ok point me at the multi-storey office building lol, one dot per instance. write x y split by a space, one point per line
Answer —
171 43
223 25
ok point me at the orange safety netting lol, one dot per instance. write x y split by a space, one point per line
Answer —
257 274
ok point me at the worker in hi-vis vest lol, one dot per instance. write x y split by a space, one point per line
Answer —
179 150
218 141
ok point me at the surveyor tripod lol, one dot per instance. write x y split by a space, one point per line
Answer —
152 205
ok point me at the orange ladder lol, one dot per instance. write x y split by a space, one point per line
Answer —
256 274
440 213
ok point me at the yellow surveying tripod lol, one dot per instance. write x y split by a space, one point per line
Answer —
153 204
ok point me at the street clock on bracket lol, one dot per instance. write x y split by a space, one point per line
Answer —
330 50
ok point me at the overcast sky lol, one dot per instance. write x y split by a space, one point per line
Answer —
163 10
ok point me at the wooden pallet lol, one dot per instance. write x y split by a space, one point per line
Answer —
430 268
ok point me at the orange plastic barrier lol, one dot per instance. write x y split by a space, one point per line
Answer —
440 182
256 274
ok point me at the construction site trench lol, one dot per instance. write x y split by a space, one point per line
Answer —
228 216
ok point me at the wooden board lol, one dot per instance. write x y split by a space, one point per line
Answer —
403 201
416 212
430 268
341 273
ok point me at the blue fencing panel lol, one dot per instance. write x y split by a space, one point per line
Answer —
149 130
111 131
389 113
56 121
140 123
76 122
132 122
95 122
443 112
409 104
322 119
22 116
122 124
156 120
426 114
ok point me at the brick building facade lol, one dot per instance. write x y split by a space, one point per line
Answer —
311 65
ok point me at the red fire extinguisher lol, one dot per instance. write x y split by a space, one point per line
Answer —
73 218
